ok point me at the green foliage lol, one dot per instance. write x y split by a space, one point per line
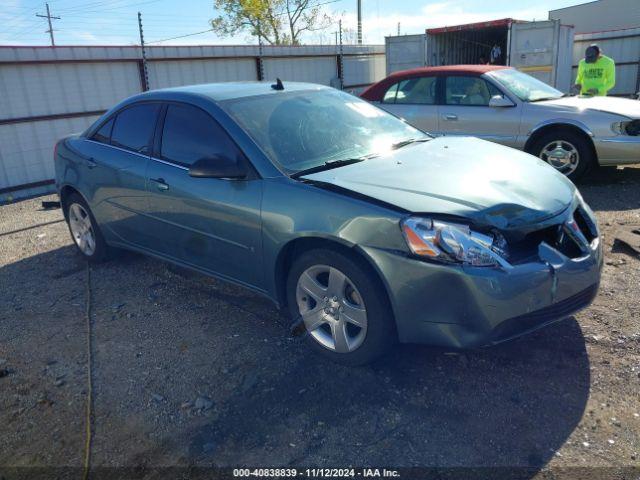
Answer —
276 22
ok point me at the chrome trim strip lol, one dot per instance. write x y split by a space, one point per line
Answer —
138 154
117 148
628 139
169 163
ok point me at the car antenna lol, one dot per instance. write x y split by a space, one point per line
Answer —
278 85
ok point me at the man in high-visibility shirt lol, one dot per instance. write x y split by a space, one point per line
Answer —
596 72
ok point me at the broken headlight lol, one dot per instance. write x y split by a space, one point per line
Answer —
453 243
630 127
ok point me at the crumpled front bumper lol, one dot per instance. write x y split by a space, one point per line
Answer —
461 307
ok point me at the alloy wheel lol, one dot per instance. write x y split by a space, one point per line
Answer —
332 309
82 229
561 155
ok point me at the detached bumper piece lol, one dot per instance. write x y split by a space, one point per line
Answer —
523 324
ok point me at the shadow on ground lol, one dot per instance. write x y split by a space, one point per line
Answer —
612 189
276 404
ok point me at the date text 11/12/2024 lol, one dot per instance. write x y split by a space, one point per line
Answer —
316 472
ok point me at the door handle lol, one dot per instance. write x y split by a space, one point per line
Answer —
450 117
91 163
160 184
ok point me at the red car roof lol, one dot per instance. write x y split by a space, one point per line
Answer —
376 91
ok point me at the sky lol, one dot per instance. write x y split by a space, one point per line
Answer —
114 22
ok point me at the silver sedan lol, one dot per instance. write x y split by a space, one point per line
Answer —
507 106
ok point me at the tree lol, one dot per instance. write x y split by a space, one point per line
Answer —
276 22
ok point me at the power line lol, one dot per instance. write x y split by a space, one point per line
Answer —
211 29
182 36
49 17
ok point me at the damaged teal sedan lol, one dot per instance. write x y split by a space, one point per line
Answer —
365 229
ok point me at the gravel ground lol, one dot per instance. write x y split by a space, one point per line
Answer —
191 372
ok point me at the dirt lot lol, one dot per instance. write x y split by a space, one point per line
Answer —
188 371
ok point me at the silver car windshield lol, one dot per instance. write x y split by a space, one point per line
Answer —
525 87
301 130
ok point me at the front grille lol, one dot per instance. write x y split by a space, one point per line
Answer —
571 238
530 321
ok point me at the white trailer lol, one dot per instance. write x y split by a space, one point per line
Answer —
541 49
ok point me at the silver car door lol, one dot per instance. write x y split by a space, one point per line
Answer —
414 99
466 111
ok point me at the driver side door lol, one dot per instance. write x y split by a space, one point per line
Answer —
211 224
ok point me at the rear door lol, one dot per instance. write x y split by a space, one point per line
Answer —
208 223
117 156
415 100
466 111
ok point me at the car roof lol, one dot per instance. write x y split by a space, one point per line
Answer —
228 90
377 90
444 69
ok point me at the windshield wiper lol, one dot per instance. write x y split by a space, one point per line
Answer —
329 165
409 141
545 98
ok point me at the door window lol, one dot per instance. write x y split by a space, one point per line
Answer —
419 90
134 126
103 135
469 91
190 134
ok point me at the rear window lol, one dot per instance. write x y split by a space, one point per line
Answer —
134 126
103 135
419 90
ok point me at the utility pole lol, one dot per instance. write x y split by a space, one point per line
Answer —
359 22
145 72
49 17
398 28
340 57
260 61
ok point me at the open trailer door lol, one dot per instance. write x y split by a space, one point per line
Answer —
543 50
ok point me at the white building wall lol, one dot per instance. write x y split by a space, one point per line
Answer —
600 15
47 93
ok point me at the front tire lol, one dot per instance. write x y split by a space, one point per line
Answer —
566 151
84 229
343 307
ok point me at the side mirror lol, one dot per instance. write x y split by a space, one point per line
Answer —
498 101
217 166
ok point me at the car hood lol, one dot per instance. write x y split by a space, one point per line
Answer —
488 183
619 106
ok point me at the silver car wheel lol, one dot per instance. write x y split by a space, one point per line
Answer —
332 309
561 155
82 229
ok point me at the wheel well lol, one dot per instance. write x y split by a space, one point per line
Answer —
65 193
558 126
296 247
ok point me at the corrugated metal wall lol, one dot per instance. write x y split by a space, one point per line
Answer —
621 45
47 93
599 15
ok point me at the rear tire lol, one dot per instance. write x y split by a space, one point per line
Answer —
84 229
344 308
566 151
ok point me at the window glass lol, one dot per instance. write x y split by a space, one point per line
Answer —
524 86
421 90
473 91
190 134
134 126
103 135
390 95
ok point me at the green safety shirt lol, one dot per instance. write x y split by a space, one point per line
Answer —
600 75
